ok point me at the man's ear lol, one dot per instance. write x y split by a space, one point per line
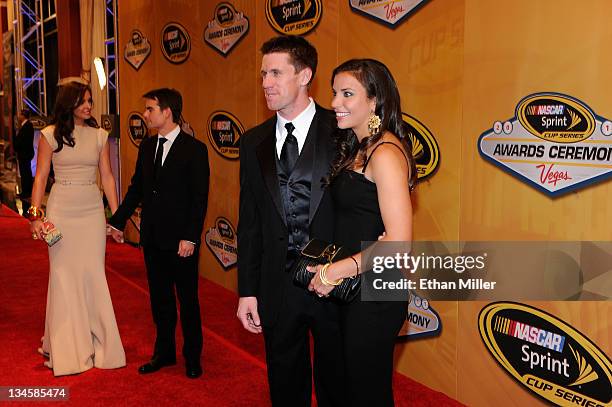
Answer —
167 113
305 76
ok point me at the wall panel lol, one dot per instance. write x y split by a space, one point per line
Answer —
460 65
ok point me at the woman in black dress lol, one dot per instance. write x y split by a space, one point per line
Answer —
370 181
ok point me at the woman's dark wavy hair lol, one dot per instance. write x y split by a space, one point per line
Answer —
69 97
378 83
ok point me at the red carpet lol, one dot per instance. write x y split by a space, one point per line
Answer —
233 361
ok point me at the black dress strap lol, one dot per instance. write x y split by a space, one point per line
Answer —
372 153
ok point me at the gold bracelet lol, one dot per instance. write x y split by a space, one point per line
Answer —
324 280
323 276
35 213
357 265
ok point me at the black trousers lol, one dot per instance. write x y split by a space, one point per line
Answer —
167 271
25 172
288 351
369 331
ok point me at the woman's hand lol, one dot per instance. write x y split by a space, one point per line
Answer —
38 229
316 284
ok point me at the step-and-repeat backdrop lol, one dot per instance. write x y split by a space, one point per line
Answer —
510 113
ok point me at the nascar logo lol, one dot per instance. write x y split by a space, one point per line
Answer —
224 132
530 334
562 119
294 17
544 110
175 43
137 128
564 367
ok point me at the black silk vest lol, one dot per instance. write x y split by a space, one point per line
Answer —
295 194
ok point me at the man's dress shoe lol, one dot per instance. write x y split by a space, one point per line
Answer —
193 370
154 365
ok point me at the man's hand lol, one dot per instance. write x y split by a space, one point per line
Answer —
117 235
185 248
248 315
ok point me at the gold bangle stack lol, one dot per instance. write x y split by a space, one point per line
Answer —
323 276
35 213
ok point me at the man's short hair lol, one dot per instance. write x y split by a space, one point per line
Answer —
26 113
167 98
301 53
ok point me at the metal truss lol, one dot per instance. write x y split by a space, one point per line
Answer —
30 83
111 66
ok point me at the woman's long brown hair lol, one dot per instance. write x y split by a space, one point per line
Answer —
69 97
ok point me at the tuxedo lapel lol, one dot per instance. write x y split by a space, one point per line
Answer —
172 158
174 150
266 155
149 156
322 158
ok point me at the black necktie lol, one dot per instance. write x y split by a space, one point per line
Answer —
158 156
289 152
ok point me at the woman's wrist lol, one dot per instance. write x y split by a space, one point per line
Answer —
34 213
334 272
343 269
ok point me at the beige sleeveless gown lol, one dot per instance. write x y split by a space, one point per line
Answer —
80 326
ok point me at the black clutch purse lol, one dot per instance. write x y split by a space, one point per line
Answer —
320 252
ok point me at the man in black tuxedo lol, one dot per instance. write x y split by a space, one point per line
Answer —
171 182
24 148
283 204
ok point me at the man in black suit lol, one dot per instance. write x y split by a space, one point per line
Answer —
282 205
171 182
24 148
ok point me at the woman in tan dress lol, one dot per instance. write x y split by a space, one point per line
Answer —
80 327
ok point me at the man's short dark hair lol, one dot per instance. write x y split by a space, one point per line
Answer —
301 53
26 113
167 98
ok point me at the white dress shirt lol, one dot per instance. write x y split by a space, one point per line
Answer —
168 144
301 123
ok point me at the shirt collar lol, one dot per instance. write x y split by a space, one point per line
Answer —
172 135
301 122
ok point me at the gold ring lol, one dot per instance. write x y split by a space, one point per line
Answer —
34 236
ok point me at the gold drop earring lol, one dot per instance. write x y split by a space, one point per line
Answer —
373 123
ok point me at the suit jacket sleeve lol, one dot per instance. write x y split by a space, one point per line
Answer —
249 232
199 176
133 196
